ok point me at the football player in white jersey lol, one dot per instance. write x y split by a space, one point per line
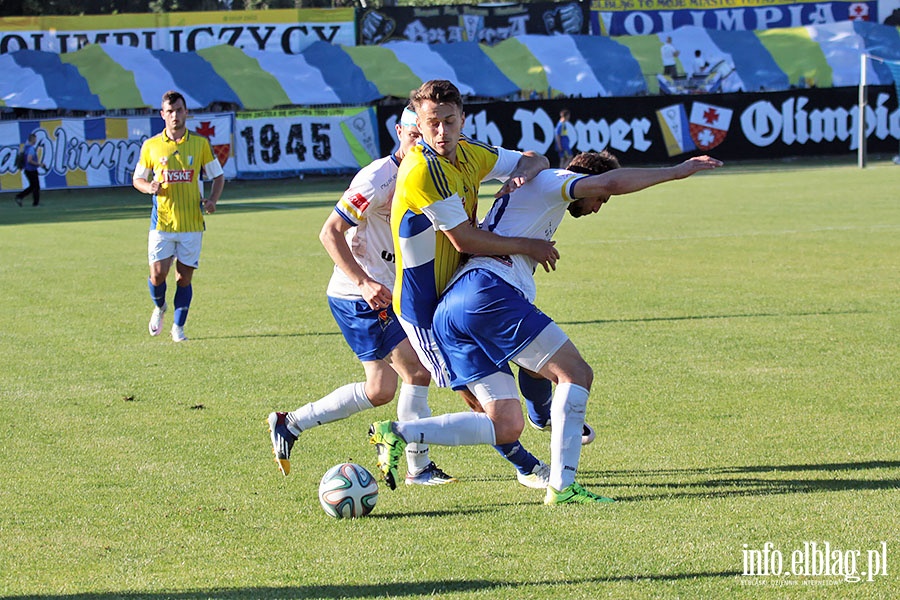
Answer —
486 317
357 236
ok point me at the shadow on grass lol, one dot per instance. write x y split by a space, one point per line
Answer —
429 589
720 482
817 313
266 335
110 204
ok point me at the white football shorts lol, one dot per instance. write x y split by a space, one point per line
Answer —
183 246
427 350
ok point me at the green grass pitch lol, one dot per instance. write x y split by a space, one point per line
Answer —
743 326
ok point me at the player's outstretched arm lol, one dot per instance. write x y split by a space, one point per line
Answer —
529 165
469 240
628 180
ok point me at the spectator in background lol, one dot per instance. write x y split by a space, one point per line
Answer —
701 65
31 172
563 147
669 54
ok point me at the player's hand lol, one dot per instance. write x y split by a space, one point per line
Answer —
544 252
376 295
513 183
154 187
529 165
209 206
698 163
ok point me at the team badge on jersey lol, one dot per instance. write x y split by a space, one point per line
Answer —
359 202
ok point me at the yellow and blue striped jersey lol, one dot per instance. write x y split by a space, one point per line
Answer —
177 166
430 187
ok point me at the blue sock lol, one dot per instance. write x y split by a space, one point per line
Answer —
538 393
522 459
182 303
157 292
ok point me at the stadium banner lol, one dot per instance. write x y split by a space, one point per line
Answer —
487 24
277 143
664 129
286 31
98 151
644 17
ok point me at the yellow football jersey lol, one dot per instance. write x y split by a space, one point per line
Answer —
177 166
426 258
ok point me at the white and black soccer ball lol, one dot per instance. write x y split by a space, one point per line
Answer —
348 491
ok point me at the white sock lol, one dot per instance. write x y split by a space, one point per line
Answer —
339 404
454 429
567 415
412 404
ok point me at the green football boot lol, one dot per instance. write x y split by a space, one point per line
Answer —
389 448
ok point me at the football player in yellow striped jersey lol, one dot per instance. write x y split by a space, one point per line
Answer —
433 217
434 212
169 169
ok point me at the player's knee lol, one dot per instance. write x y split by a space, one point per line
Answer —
380 394
507 431
585 375
579 373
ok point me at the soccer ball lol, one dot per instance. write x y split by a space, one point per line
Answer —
347 491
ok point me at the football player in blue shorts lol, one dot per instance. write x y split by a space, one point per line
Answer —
433 221
486 318
357 236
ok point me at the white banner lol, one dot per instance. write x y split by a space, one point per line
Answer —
287 31
298 140
98 151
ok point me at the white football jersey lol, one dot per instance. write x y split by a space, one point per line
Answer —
366 205
535 210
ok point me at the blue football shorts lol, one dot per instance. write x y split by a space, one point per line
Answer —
371 334
481 323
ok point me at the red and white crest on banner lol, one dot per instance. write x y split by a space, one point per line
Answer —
858 11
222 151
709 124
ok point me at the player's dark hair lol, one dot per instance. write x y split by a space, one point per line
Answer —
172 97
593 163
439 91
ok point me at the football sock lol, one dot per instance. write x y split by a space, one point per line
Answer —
454 429
157 293
523 460
538 394
567 412
182 302
412 403
341 403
